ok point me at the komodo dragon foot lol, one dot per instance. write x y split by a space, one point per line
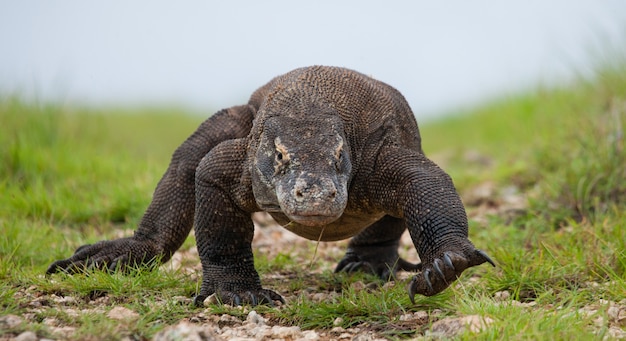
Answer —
248 297
110 255
444 269
382 261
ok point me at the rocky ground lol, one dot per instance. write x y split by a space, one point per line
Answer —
270 239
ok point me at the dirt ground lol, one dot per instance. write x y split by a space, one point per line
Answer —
269 240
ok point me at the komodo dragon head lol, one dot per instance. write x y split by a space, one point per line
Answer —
302 168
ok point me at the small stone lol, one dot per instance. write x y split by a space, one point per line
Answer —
27 336
186 331
617 314
421 317
285 332
319 297
406 317
616 333
338 322
477 323
254 317
446 327
65 332
502 296
363 337
337 330
66 300
613 312
227 321
310 335
358 285
122 313
621 318
591 311
259 332
181 300
35 304
451 326
524 304
9 321
50 322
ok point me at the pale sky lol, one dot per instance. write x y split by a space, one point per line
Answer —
206 55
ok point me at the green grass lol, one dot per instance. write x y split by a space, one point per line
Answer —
70 176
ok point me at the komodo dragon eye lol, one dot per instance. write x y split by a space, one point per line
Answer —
281 156
339 156
339 161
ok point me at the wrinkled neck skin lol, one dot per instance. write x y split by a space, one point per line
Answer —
301 168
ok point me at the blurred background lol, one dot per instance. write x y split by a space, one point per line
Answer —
202 56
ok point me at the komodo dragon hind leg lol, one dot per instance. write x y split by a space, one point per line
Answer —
375 250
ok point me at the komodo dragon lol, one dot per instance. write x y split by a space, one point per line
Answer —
330 154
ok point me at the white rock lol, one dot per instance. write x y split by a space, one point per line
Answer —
319 297
186 331
502 296
227 320
50 321
451 326
476 323
254 317
27 336
338 321
67 300
615 333
337 330
406 317
10 321
122 313
310 335
285 332
63 333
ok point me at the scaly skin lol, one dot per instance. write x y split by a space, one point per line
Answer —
329 153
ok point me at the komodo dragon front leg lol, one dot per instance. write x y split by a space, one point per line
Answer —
169 218
224 229
408 185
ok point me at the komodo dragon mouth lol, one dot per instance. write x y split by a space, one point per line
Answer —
313 220
311 199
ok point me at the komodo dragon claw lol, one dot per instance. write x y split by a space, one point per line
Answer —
447 272
438 269
253 298
484 255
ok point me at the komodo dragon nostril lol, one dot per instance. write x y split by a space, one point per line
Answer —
332 194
